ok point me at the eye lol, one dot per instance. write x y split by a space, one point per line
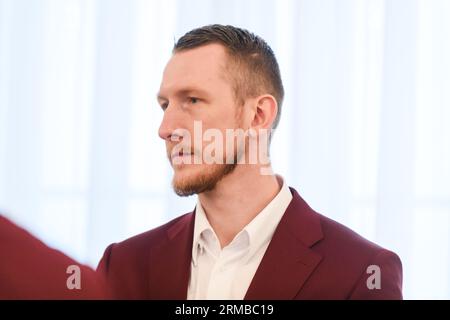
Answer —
193 100
164 106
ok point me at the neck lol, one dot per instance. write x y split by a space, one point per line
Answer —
237 199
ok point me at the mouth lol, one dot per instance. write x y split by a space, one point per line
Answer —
181 157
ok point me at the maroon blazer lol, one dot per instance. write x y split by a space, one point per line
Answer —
309 257
31 270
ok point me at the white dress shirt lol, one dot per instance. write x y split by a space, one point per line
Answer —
227 273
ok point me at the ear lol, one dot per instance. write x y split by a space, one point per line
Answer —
265 112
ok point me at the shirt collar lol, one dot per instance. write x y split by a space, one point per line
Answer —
201 225
262 227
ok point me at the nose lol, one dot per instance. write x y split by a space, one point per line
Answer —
169 124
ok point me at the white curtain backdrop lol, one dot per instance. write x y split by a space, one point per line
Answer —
364 135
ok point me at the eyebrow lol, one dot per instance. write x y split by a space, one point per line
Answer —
184 92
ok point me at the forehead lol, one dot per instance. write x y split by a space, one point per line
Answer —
204 66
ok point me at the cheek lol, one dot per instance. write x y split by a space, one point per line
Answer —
227 118
222 112
213 121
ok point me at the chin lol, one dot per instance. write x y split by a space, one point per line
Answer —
198 179
186 180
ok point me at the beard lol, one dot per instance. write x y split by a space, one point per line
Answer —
207 178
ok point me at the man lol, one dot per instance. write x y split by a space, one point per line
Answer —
250 235
31 270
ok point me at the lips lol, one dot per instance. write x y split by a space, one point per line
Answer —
181 157
180 154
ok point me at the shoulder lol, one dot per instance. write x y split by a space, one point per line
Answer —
126 264
340 236
135 250
345 245
350 259
153 237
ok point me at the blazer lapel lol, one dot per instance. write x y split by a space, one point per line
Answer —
288 261
171 261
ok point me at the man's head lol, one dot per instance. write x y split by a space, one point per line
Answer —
224 78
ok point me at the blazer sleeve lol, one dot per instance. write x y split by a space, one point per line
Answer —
388 267
29 269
